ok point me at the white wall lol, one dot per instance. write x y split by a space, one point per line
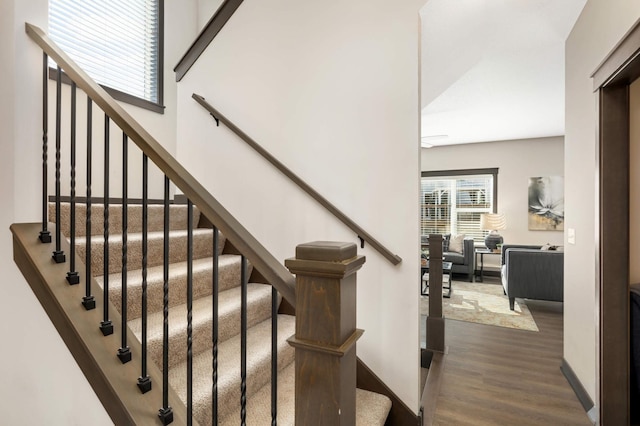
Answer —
517 161
41 382
600 26
330 89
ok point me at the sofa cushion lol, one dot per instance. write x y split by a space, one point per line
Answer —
456 243
455 258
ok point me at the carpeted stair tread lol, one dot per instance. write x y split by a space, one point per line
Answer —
258 309
258 369
372 408
228 277
177 218
202 247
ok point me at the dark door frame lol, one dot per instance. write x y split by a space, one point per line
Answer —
611 83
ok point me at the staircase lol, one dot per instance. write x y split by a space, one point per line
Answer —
371 408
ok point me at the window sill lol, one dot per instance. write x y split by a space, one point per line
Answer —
116 94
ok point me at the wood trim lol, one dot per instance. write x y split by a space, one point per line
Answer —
360 232
94 353
206 36
576 385
400 414
614 254
614 69
237 234
113 200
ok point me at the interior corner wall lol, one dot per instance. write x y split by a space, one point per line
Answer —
602 24
330 89
517 161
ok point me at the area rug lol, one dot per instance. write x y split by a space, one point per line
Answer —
484 304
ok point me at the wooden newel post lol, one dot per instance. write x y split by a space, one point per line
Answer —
326 334
435 320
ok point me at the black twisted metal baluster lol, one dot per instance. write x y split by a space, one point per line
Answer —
166 412
189 312
124 352
106 326
45 235
72 276
88 301
58 255
214 390
274 356
243 341
144 381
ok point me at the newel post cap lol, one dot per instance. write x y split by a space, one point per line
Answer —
325 258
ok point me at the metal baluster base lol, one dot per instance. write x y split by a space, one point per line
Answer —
45 237
144 384
73 278
106 327
89 302
58 256
124 355
166 415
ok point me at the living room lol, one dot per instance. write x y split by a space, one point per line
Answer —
515 105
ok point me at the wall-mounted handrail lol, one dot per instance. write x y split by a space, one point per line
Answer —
206 36
242 240
361 233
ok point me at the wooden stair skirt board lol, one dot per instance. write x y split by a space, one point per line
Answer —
96 355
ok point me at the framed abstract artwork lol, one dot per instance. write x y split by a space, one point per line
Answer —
546 203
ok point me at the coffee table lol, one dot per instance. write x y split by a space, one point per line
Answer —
446 271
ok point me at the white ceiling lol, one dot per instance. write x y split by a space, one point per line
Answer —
494 69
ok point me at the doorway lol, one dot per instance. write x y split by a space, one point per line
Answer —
612 83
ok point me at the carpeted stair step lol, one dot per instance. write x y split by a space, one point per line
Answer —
372 409
155 221
202 247
258 369
228 277
258 310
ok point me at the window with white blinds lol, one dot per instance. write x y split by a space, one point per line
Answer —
117 42
453 204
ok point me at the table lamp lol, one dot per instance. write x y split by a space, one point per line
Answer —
492 222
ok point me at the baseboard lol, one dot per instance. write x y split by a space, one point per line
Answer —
576 385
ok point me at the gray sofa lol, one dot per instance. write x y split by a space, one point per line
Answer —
461 263
531 273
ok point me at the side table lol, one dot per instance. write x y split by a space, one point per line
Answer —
482 252
446 272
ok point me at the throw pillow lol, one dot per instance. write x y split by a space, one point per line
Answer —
446 238
456 243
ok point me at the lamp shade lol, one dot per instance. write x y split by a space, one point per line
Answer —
493 222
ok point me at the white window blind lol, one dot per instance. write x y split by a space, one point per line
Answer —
115 41
454 204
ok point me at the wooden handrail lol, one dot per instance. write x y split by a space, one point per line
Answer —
243 241
362 234
206 36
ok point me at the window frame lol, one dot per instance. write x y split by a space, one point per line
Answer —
128 98
458 174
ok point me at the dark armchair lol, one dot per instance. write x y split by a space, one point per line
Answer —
531 273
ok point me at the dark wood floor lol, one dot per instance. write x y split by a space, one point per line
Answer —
501 376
